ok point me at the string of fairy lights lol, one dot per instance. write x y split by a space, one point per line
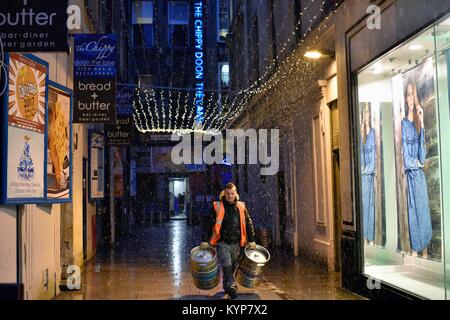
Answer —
151 103
281 73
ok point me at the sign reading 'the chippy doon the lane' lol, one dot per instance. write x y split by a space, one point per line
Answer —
95 78
199 63
33 25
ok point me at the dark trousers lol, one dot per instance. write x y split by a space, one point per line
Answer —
228 257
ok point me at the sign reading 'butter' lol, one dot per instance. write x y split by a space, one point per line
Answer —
33 25
94 101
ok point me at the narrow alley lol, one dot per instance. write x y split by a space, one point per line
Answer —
154 265
221 150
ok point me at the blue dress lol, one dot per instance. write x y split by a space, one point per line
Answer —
414 156
368 160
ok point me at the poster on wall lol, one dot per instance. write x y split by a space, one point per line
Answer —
33 25
59 151
24 130
96 166
371 171
94 78
417 162
117 171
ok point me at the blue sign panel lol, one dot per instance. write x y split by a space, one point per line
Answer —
124 100
95 78
95 56
199 63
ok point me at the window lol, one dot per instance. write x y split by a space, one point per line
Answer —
403 120
142 21
178 12
178 36
142 12
224 75
178 20
223 19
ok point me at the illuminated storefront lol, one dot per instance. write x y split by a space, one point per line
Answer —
397 242
404 152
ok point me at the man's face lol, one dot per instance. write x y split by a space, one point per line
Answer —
230 195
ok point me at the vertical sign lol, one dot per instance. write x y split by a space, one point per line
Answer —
119 134
95 78
96 177
24 130
59 147
199 64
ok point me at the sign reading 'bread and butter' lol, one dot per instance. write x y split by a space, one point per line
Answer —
33 25
95 78
119 133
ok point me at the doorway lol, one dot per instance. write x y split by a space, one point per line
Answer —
336 173
178 194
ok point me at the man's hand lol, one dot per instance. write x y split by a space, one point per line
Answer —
204 245
252 245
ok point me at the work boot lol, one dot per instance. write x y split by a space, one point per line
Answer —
232 292
228 282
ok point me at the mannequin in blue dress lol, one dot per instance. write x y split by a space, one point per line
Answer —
414 156
368 165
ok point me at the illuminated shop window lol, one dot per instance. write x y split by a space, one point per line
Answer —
404 154
224 75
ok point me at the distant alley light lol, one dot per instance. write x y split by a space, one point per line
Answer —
313 54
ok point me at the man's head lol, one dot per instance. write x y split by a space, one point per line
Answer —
230 193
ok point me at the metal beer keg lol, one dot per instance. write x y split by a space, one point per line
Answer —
265 237
204 268
251 267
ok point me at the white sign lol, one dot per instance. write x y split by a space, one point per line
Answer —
96 166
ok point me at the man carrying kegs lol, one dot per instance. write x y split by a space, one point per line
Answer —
229 227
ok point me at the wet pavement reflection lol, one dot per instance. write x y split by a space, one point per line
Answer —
155 265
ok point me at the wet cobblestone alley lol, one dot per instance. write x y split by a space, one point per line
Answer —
155 265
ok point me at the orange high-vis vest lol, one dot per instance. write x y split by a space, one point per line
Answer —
220 213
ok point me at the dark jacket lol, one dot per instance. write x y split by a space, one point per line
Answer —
230 232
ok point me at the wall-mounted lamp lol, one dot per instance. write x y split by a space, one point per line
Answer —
318 54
